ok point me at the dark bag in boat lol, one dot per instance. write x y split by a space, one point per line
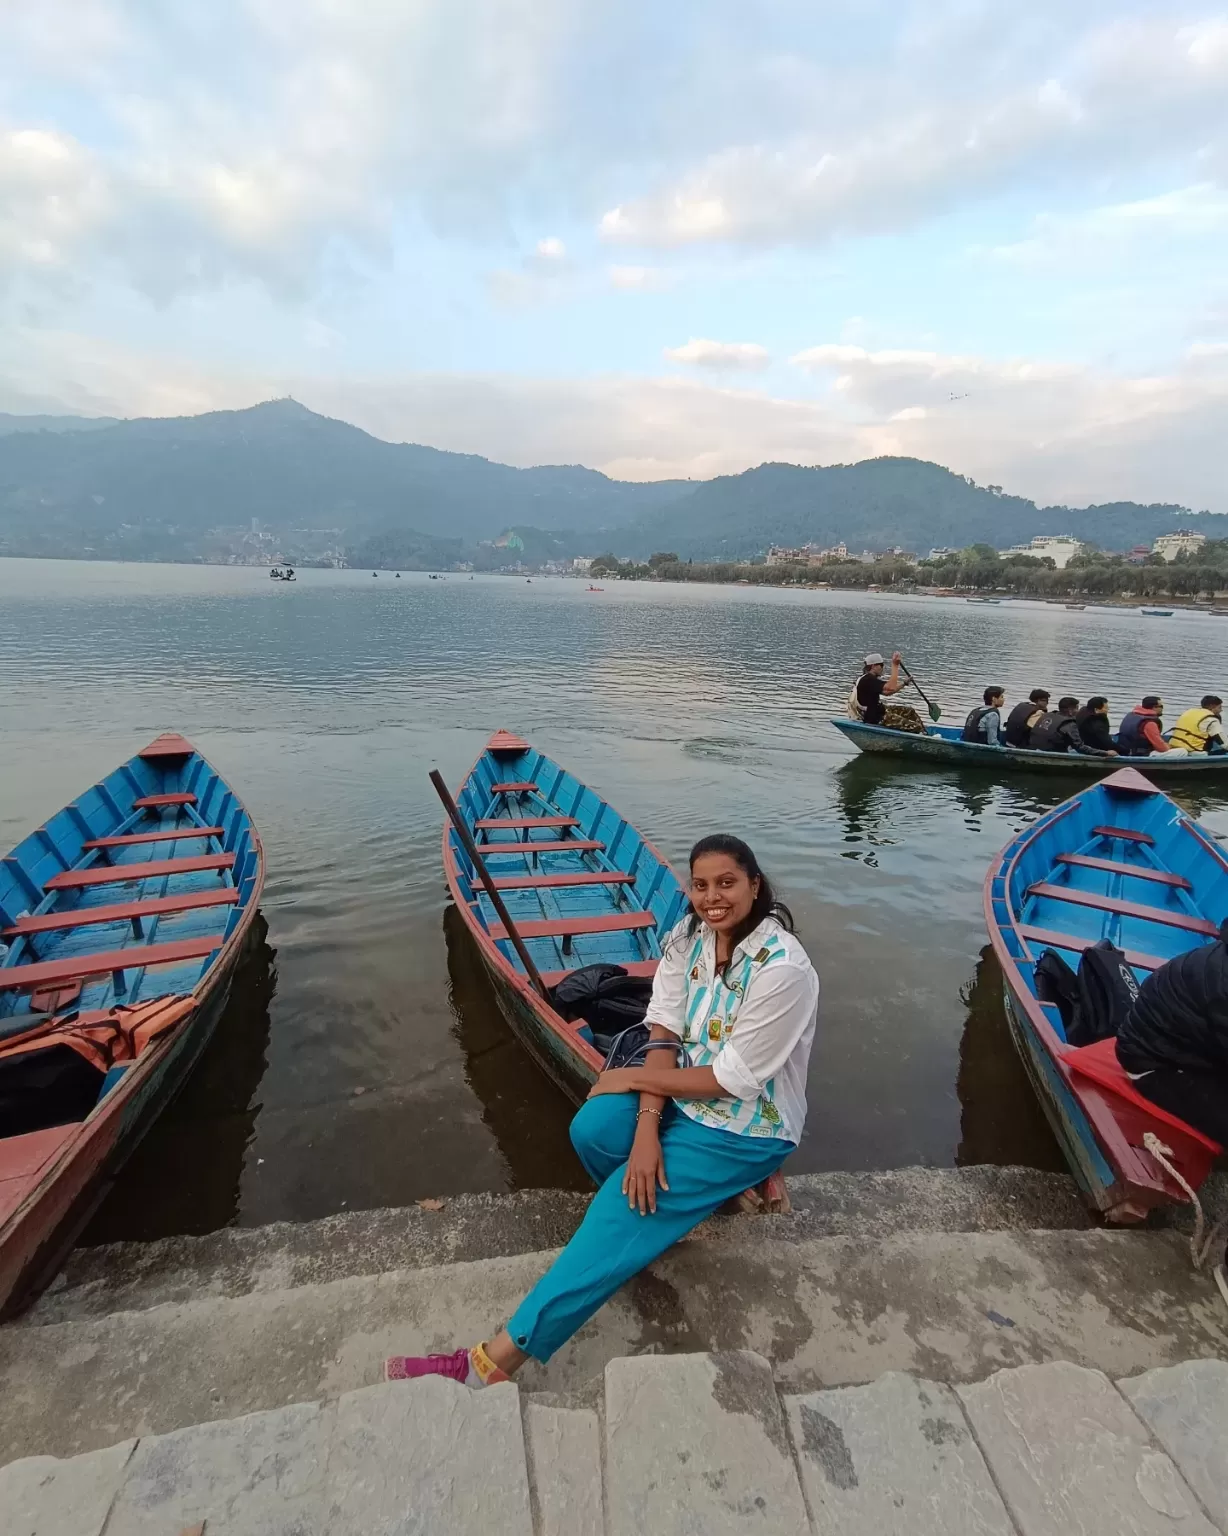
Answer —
1181 1016
1095 1002
606 998
39 1089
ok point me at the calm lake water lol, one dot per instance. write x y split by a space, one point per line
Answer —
362 1061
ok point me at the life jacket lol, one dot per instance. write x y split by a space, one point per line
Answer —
105 1037
1130 739
1190 732
972 725
1046 733
1019 723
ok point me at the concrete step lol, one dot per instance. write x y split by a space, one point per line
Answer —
830 1311
684 1444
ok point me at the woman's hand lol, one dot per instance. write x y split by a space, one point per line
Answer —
645 1168
618 1080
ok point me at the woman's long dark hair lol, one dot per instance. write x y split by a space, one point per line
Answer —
765 903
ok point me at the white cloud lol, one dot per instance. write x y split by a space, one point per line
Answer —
551 249
1055 432
1193 213
638 279
702 353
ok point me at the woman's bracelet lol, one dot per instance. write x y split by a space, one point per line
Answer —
640 1112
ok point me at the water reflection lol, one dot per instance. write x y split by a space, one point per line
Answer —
185 1175
524 1111
1001 1120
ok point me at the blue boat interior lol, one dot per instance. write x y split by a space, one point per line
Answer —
579 882
128 893
1114 863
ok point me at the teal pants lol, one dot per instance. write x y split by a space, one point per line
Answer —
704 1166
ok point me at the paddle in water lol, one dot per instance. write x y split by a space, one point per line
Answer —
935 712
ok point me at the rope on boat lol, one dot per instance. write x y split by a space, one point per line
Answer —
1201 1246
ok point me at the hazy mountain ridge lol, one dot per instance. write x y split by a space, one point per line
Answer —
199 487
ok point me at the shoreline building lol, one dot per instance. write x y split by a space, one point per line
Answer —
1061 548
1184 542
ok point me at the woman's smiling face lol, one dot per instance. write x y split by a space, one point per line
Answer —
721 891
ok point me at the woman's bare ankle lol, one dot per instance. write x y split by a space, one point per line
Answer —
504 1353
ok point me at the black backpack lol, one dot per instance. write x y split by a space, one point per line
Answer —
1094 1003
607 999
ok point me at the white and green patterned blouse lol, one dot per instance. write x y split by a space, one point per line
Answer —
753 1025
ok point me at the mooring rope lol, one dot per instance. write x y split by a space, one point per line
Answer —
1201 1246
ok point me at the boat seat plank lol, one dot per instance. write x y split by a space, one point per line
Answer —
523 823
1049 938
520 787
152 802
133 838
154 906
1116 867
113 874
632 968
46 972
569 927
1127 834
1123 908
577 877
546 845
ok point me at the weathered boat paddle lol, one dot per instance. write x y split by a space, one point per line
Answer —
471 848
935 711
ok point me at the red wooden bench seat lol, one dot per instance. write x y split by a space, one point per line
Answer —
1115 867
112 874
1126 834
1100 1063
84 917
132 838
1123 908
521 787
569 927
151 802
47 972
545 845
518 823
578 877
1047 937
632 968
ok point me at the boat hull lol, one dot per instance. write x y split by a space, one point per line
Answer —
937 749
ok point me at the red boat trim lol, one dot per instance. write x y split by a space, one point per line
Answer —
1115 867
1070 941
1122 908
131 839
513 789
169 744
519 823
580 877
153 802
17 978
543 845
115 874
1126 834
632 968
154 906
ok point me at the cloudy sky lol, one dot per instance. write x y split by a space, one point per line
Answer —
659 238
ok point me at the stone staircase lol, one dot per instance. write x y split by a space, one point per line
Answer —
677 1445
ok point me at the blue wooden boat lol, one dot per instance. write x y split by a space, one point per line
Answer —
580 884
123 918
941 744
1118 861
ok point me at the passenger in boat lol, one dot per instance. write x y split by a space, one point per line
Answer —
1200 729
1057 730
1093 723
1024 716
1140 732
1174 1042
716 1111
866 698
984 723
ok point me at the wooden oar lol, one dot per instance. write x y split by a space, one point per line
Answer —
471 848
935 712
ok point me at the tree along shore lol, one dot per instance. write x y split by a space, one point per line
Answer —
980 568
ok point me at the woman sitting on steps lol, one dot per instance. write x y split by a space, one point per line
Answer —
669 1144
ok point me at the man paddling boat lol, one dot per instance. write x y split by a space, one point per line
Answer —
868 692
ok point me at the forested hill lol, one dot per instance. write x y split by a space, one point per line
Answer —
878 504
170 488
288 467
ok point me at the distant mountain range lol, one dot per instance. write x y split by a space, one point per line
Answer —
230 484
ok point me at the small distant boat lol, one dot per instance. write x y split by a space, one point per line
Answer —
580 883
279 575
124 917
1219 612
1157 613
1118 861
994 600
1074 607
594 589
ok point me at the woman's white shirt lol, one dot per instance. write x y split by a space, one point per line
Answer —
754 1025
